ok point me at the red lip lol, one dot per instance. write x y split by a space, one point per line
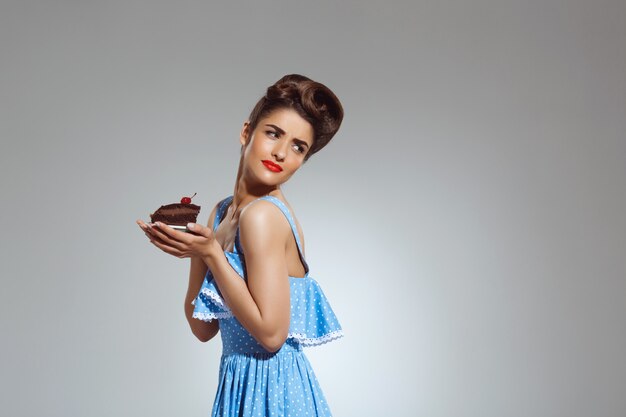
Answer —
272 166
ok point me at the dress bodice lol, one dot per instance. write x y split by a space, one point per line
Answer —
312 321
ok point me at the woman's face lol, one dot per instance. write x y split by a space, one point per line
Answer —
277 147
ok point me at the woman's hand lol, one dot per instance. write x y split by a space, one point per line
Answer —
200 243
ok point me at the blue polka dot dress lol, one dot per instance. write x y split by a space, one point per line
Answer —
252 381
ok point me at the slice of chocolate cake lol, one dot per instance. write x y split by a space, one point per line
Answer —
177 214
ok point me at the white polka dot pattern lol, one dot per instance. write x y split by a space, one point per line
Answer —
253 381
312 322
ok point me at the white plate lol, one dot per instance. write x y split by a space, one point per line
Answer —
182 228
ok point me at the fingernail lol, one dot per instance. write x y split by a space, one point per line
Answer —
190 226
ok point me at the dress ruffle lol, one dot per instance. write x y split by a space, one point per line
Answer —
313 321
209 304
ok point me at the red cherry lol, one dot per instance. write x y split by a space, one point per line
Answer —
187 200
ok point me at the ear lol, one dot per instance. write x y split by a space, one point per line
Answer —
244 135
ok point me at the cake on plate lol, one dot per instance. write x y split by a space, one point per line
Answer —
177 215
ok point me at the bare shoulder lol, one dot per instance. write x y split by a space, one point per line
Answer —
263 216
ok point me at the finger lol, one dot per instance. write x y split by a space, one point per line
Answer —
170 231
148 230
171 237
167 249
152 235
199 229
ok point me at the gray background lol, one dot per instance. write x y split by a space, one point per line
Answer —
467 222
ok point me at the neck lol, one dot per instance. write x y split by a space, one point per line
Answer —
245 193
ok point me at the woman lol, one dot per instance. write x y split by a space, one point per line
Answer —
265 304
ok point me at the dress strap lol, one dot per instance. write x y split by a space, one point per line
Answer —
223 205
278 203
221 208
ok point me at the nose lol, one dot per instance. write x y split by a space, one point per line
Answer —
280 150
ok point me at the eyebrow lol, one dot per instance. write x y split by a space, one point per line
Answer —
282 132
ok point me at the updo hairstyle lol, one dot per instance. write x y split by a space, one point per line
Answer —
313 101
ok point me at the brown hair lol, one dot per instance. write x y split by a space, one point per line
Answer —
313 101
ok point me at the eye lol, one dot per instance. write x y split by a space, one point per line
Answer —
272 134
299 148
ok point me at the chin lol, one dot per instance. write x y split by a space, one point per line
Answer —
266 182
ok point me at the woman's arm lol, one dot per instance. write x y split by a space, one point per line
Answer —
204 331
262 304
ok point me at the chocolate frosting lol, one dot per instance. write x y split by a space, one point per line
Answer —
177 214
